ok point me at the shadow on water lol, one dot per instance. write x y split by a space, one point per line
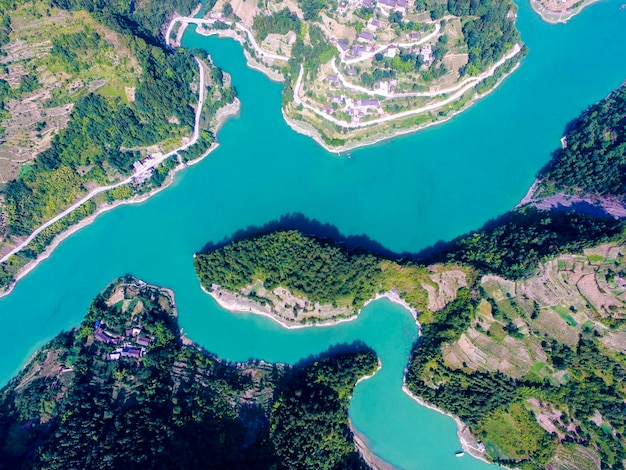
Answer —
300 222
333 351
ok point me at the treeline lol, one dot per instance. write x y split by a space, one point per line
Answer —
311 8
515 244
489 33
319 269
98 128
175 407
312 55
280 22
145 19
309 425
594 160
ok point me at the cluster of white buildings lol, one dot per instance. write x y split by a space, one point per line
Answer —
384 7
142 169
357 109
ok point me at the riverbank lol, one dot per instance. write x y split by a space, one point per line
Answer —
468 443
560 16
219 120
383 135
593 205
203 29
239 303
360 440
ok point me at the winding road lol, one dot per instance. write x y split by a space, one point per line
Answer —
157 161
355 125
186 20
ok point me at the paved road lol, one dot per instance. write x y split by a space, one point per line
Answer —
152 164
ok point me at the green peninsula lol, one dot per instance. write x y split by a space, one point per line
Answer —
125 389
358 71
533 364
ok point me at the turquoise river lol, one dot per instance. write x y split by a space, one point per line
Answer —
404 195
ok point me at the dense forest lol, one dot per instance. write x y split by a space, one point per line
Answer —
173 405
514 245
101 126
594 159
316 268
280 22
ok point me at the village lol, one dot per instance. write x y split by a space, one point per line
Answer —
392 29
133 343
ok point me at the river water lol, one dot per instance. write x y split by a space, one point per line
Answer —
402 195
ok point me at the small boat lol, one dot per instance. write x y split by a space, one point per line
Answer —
460 453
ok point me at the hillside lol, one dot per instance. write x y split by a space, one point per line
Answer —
300 279
588 170
91 97
533 364
535 367
358 71
124 389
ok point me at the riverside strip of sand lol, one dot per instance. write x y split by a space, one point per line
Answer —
559 12
234 302
468 442
385 134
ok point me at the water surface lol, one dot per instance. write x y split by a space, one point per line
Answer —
404 195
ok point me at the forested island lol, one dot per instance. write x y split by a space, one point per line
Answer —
100 102
356 72
125 389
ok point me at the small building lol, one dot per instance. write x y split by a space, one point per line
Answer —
352 72
336 99
367 3
373 24
357 51
105 337
391 51
114 356
367 104
402 6
427 53
414 36
327 109
135 353
134 331
366 37
341 44
143 341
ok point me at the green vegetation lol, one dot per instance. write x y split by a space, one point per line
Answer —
175 405
314 268
280 22
497 408
594 160
516 244
489 33
309 423
317 52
